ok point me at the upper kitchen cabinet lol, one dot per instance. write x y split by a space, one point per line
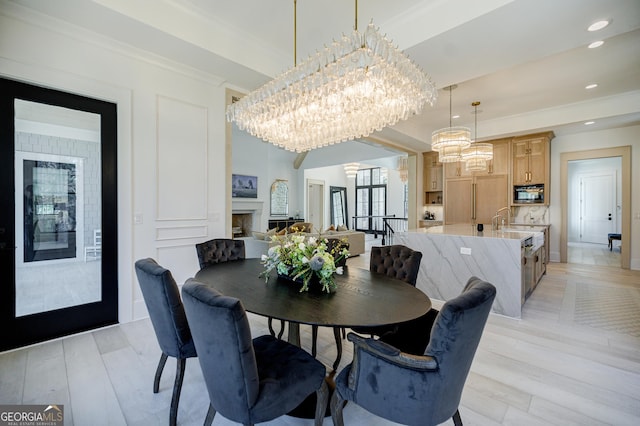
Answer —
531 155
498 165
432 178
530 164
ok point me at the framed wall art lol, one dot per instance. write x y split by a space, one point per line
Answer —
243 186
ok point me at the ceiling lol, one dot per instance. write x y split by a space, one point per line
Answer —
526 61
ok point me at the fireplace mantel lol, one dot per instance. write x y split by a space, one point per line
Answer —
251 208
242 206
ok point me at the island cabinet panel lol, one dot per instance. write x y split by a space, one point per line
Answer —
496 256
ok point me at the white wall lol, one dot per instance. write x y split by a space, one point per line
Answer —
155 150
626 136
251 156
395 195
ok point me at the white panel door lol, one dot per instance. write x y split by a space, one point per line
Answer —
597 207
315 205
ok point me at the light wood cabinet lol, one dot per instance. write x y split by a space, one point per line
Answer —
475 199
530 162
457 201
539 267
500 162
492 194
432 178
498 165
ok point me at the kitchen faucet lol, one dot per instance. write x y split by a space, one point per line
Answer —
498 215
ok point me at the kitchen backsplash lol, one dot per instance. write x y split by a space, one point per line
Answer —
436 211
531 214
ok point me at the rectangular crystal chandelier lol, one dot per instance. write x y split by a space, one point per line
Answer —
359 84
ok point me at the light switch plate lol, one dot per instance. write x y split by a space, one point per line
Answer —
465 250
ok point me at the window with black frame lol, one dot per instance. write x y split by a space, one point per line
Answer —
371 200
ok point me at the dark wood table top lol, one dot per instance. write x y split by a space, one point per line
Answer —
363 298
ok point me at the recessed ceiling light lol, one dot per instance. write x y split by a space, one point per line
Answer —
596 44
591 86
598 25
455 116
588 123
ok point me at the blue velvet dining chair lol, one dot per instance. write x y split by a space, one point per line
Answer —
162 298
395 261
219 250
418 389
248 380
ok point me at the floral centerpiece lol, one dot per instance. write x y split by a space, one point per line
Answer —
302 258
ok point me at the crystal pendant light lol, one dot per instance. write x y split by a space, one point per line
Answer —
403 169
450 141
351 169
359 84
477 155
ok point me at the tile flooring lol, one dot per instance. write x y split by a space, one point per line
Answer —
573 359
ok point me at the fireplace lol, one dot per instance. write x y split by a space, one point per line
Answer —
245 218
241 224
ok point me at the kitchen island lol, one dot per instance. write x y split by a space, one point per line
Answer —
451 254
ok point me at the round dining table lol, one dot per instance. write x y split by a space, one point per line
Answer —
362 298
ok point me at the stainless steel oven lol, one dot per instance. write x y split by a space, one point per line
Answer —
528 194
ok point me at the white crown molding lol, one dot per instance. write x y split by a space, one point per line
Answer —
192 24
32 17
550 118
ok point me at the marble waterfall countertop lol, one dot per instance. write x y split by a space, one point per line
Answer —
515 232
451 254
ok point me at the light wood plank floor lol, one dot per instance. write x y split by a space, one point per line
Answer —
594 254
573 359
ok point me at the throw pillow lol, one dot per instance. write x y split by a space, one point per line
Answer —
271 232
342 228
258 235
300 227
331 228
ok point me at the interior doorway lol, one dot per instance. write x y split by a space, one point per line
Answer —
315 203
594 204
622 204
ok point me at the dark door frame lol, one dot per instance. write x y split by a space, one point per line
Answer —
28 329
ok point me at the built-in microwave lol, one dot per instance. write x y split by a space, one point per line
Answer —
525 194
